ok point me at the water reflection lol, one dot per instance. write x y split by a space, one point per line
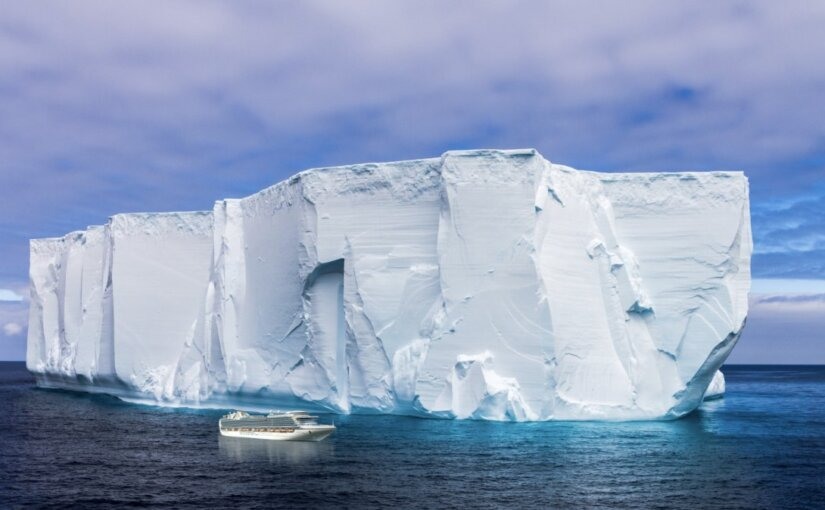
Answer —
241 449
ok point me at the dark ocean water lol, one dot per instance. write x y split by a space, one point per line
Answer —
762 446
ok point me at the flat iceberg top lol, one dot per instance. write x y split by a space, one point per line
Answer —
361 177
151 224
483 284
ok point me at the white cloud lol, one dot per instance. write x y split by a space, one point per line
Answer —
10 295
774 286
12 329
13 320
161 84
783 328
789 303
110 107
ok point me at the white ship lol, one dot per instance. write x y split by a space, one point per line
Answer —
288 426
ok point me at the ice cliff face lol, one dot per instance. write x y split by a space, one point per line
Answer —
484 284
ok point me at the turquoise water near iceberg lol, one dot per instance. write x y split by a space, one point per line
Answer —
762 446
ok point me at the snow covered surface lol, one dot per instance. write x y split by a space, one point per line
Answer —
482 284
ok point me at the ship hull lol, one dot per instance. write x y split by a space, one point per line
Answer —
304 434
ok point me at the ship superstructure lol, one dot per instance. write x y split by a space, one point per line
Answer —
287 426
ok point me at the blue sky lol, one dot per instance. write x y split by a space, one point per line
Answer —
111 107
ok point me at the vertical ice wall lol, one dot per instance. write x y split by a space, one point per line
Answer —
380 222
115 306
656 272
312 276
259 318
66 312
489 355
484 284
160 267
693 255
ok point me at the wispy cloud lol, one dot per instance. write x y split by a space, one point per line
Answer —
783 328
781 286
12 329
789 235
794 303
13 321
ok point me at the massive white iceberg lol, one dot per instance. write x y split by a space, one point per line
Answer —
482 284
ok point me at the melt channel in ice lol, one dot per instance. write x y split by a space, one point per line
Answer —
483 284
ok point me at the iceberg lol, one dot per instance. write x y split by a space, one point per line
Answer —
486 284
716 389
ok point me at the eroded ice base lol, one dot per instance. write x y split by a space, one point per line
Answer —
716 389
483 284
